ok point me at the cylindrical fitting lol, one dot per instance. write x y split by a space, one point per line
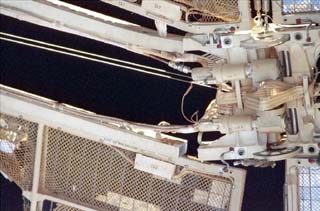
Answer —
265 6
264 69
220 73
180 67
259 70
231 124
201 74
230 72
257 5
209 126
227 124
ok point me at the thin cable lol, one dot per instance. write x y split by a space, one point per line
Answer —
222 159
182 105
105 62
159 60
315 52
277 3
201 142
186 171
195 116
97 60
92 54
51 206
122 154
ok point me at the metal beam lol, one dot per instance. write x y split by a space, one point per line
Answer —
36 167
110 135
27 107
76 20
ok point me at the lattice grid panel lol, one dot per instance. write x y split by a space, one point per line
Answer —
211 11
300 6
309 188
18 166
95 175
61 207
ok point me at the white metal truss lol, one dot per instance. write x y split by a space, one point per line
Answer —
33 108
267 100
75 20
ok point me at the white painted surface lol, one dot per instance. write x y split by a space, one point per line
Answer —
107 134
154 166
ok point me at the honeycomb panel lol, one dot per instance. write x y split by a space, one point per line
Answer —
211 11
309 188
61 207
98 176
300 6
18 166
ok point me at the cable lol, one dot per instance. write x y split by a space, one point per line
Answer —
104 62
51 206
92 54
122 154
227 165
185 171
135 125
201 142
160 60
315 52
101 61
195 116
277 3
182 105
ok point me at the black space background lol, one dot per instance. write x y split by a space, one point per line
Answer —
114 92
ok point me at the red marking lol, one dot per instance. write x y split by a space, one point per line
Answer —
232 29
312 160
298 21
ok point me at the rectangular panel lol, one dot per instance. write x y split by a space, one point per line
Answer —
154 166
300 6
104 178
18 166
84 166
163 8
309 188
78 124
211 11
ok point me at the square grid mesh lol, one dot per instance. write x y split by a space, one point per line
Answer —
19 165
61 207
211 11
309 188
300 6
98 176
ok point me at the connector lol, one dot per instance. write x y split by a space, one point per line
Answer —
180 67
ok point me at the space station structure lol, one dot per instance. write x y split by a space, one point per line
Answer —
261 56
